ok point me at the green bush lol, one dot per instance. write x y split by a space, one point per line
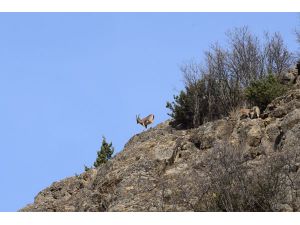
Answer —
104 154
181 110
262 92
189 108
86 168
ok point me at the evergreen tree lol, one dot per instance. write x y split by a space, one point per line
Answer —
105 153
262 92
86 168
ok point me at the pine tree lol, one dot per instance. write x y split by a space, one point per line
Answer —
105 153
86 168
262 92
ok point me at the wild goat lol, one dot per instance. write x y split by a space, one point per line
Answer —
251 113
145 121
254 112
244 113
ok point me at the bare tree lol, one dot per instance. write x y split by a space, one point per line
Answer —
277 57
245 58
192 73
297 33
223 88
217 87
195 87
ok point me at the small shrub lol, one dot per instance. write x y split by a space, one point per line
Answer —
190 108
235 113
235 185
181 110
262 92
105 153
86 168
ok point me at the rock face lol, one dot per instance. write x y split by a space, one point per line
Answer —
164 169
291 76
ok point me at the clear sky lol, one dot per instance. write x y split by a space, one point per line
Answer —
66 79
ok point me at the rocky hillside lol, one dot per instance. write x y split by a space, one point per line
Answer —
231 164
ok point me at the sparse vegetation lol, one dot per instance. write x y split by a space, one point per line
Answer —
86 168
297 34
218 87
105 153
237 186
185 106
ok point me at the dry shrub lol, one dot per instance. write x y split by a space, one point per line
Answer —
240 185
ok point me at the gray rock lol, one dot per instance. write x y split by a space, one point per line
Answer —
288 78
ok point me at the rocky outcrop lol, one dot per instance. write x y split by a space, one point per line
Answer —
164 169
292 76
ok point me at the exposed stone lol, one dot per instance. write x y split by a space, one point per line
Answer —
297 82
291 120
272 131
284 208
289 77
254 136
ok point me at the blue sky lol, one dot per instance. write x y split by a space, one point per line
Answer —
66 79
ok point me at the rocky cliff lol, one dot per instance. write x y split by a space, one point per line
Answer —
231 164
